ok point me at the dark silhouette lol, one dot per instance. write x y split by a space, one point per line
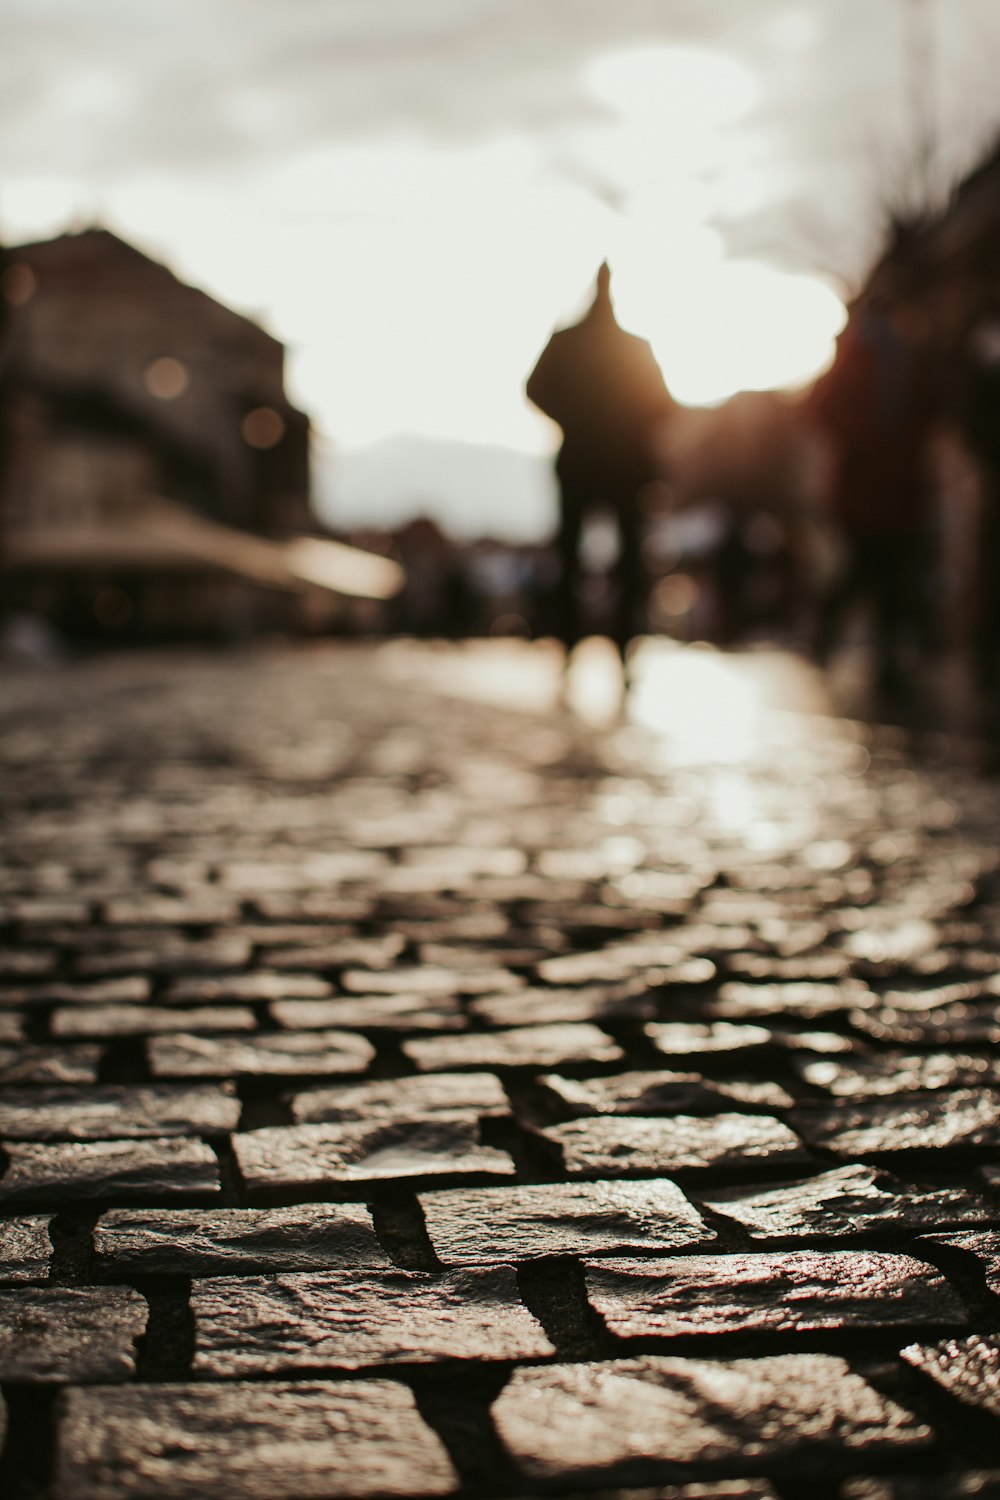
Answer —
606 391
979 422
876 406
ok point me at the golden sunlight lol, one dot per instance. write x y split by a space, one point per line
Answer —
719 326
680 142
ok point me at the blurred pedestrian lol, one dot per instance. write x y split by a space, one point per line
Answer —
605 390
875 405
978 417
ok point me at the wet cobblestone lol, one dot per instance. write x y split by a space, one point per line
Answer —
630 1098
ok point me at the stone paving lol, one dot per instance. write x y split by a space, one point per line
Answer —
403 1093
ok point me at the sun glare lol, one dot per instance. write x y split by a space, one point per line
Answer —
681 138
719 326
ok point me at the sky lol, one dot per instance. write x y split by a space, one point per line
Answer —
412 193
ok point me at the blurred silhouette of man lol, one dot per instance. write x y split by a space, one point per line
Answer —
979 422
876 406
605 390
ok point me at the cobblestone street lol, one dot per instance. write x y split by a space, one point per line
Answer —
407 1093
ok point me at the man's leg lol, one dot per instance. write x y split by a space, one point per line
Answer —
568 615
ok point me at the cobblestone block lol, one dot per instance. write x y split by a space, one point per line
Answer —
985 1245
957 1025
132 989
276 1325
147 1020
26 963
610 1145
332 867
51 1335
618 961
919 1122
312 952
804 1000
698 1039
722 1489
851 1200
71 1170
260 985
404 1099
116 1111
372 1013
11 1027
967 1368
40 911
477 1225
312 1054
894 1073
661 1093
207 909
632 1000
170 956
642 1419
229 1241
324 1440
802 968
979 1485
428 980
24 1248
45 1064
780 1293
522 1047
312 907
298 1156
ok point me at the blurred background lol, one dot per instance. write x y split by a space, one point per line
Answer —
274 276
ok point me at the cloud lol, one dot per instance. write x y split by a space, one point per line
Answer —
210 82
